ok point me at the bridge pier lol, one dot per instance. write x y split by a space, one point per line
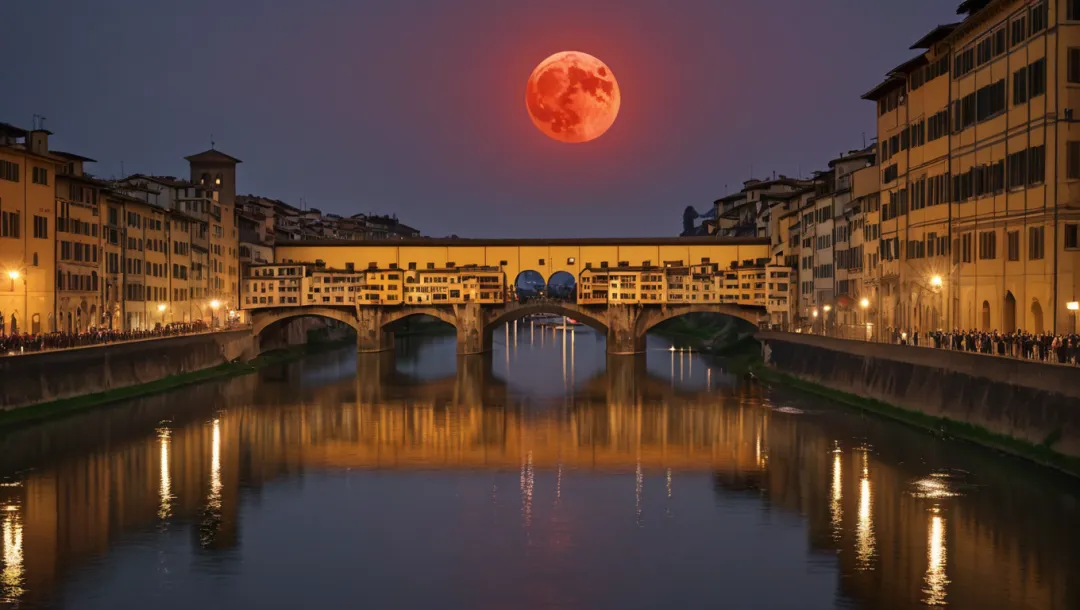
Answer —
370 336
472 336
623 337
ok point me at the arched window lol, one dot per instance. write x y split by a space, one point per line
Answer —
218 179
35 324
205 179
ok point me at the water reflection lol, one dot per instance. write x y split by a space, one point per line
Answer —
11 578
836 508
504 436
936 580
864 532
165 490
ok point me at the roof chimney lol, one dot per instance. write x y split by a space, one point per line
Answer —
38 142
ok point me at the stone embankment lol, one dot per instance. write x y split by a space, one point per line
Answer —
1020 406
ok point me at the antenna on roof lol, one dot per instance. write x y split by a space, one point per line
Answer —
864 139
211 141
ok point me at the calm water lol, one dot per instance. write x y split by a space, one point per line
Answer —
541 478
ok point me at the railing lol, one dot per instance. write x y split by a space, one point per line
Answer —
16 344
1046 348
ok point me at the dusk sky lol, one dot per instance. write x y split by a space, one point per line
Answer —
416 108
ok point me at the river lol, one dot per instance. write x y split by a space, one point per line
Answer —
544 476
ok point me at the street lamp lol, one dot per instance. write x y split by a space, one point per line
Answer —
936 281
14 274
864 303
214 305
1074 307
161 310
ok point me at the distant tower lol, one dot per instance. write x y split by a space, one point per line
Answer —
218 170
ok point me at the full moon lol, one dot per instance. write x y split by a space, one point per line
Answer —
572 97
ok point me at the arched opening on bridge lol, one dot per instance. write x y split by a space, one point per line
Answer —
1008 314
985 316
420 324
562 286
529 285
713 329
299 329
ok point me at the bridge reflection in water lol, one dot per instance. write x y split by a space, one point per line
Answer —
102 477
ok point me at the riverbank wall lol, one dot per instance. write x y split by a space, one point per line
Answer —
1022 407
43 377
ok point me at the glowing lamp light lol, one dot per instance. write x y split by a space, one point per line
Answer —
14 275
864 303
936 281
1072 305
827 308
215 304
161 307
815 313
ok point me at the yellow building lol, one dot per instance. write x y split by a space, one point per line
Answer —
27 217
181 303
215 172
980 172
79 251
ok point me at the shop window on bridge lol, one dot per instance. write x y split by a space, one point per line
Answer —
543 262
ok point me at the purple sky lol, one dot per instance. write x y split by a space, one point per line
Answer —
417 107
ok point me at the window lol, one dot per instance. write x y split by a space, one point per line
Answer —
890 173
987 245
1072 160
41 227
40 176
1037 74
1074 65
1036 243
965 247
1013 241
938 125
9 171
1038 18
1036 165
1019 31
1027 167
965 62
10 224
1073 10
1020 80
1072 236
990 100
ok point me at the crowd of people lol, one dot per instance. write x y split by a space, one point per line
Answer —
1045 347
18 343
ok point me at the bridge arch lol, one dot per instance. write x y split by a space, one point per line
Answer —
261 320
517 311
562 285
530 283
444 314
654 316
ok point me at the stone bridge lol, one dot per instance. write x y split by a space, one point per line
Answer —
624 325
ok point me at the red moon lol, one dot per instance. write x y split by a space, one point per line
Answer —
572 97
